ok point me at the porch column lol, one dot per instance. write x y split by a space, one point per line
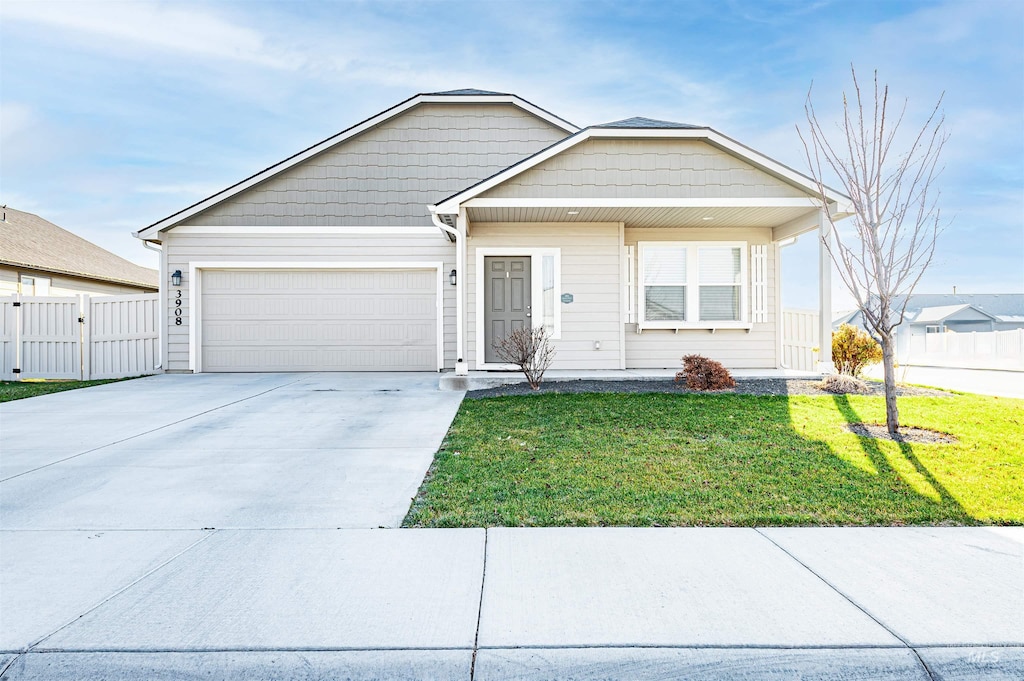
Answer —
461 277
825 364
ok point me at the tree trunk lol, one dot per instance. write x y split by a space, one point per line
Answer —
892 414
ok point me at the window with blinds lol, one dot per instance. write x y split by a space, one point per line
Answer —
664 272
720 283
691 283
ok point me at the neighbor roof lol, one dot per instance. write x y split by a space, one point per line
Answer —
934 315
29 241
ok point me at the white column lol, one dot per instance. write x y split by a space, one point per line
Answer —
461 277
825 364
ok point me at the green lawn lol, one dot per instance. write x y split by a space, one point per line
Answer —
17 390
725 459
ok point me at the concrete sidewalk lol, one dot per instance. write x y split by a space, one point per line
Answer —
830 603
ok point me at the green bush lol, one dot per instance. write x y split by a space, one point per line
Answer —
853 350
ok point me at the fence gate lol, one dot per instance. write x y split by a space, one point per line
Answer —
78 337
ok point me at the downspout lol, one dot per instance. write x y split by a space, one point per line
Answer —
461 368
162 307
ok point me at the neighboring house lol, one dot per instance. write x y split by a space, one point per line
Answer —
949 313
38 258
414 239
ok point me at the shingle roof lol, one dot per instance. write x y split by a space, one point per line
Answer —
29 241
641 122
468 91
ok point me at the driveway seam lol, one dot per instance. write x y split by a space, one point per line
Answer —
120 591
480 609
18 656
851 601
138 435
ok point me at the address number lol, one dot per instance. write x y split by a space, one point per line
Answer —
177 308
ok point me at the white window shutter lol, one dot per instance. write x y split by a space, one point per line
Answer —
630 278
759 283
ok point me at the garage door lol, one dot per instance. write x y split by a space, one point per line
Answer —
319 320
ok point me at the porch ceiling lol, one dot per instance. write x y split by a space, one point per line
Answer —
652 216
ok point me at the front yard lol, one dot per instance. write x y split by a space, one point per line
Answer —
722 459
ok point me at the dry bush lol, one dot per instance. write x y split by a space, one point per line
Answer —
702 373
842 384
853 350
530 350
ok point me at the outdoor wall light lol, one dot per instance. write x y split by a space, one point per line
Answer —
452 277
176 278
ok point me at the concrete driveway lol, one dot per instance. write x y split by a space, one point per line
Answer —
254 451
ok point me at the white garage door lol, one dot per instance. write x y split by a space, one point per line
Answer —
319 320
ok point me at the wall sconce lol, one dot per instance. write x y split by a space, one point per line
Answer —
176 278
452 278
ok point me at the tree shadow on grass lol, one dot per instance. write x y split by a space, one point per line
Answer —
873 450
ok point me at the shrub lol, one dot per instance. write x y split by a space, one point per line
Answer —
853 350
842 384
702 373
530 350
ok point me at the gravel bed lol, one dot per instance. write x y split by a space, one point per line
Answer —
744 386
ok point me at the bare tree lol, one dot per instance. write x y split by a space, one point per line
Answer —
530 349
896 217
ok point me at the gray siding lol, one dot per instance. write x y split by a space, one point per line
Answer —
644 168
389 175
735 348
590 271
184 248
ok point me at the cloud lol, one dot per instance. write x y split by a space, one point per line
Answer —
148 26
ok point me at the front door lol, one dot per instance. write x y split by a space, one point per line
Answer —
507 299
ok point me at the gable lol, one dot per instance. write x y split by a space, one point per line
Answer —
389 174
644 168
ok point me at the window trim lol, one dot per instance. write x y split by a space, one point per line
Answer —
693 286
536 256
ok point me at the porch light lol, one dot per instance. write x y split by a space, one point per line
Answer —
452 277
176 278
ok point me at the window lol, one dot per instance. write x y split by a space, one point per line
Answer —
934 329
694 284
32 285
548 302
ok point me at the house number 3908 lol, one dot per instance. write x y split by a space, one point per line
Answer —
177 308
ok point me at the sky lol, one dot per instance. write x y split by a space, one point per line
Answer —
114 115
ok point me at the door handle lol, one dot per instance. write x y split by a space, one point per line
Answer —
528 314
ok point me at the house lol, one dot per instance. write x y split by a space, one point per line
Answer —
949 313
414 239
38 258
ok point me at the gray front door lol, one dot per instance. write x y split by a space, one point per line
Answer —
506 299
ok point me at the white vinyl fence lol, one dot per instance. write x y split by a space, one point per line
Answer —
81 337
975 350
799 338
